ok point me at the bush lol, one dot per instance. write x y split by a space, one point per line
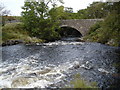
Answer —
15 31
106 32
95 27
80 83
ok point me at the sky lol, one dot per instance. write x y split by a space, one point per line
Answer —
15 5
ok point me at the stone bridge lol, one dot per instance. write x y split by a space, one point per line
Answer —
82 25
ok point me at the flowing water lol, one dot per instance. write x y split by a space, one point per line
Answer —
53 64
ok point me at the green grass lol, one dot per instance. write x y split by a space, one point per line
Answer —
77 82
117 65
17 17
16 31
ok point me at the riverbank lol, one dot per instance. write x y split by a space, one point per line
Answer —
106 32
14 33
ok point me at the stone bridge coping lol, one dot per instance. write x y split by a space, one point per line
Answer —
82 19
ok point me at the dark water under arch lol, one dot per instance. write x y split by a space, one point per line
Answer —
69 32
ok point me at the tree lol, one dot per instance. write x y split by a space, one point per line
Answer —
82 14
107 31
61 13
58 13
38 21
96 10
69 9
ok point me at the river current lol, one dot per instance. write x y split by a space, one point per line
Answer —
53 64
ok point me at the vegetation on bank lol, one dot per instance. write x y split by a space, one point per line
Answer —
16 31
77 82
107 31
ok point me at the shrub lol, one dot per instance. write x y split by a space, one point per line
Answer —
95 27
106 32
80 83
15 31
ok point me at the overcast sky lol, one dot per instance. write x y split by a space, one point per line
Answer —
15 5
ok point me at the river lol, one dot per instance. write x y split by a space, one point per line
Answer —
53 64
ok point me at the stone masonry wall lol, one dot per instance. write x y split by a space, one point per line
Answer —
82 25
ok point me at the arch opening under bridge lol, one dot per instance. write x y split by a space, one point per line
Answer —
67 31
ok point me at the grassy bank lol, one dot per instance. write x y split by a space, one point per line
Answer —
15 31
107 31
78 82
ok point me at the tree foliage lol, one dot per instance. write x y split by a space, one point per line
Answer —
108 31
39 21
63 13
57 13
96 10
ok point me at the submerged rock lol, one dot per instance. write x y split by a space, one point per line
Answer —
43 71
80 40
22 82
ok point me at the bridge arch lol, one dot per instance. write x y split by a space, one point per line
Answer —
67 31
82 25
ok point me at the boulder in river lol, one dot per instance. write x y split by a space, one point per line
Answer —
88 65
80 40
43 71
22 81
103 70
75 65
19 81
